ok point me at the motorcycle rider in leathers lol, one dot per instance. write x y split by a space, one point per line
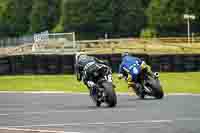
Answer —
85 66
130 68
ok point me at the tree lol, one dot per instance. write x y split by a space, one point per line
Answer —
88 17
54 12
92 18
39 16
14 17
45 15
167 15
132 17
117 17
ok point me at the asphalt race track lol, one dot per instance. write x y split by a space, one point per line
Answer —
77 113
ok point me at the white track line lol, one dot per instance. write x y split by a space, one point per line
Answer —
96 123
182 94
31 130
109 123
36 92
68 111
84 93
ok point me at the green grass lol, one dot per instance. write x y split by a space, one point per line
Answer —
172 82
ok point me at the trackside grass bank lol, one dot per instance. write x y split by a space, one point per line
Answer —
172 83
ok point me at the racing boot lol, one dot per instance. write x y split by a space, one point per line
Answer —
131 86
91 85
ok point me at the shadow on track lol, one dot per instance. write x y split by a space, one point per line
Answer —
145 99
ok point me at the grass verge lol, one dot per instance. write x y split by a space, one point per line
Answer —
172 83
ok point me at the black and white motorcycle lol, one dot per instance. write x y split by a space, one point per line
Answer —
102 88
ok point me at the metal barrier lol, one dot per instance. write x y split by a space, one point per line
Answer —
14 42
64 64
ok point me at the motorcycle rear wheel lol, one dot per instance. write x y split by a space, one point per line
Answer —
158 92
111 98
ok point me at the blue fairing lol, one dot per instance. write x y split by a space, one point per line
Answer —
131 65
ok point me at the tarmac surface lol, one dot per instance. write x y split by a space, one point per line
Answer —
76 113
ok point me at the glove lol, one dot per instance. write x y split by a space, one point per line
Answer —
120 76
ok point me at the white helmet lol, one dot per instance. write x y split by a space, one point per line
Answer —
79 54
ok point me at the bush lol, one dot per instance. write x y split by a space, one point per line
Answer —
148 33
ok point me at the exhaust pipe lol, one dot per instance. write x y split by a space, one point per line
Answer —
156 74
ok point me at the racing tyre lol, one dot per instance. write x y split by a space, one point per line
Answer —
110 95
157 89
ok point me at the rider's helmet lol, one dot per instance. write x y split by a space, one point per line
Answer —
125 54
79 55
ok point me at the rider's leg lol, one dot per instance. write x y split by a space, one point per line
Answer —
147 67
87 82
131 85
90 85
134 86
